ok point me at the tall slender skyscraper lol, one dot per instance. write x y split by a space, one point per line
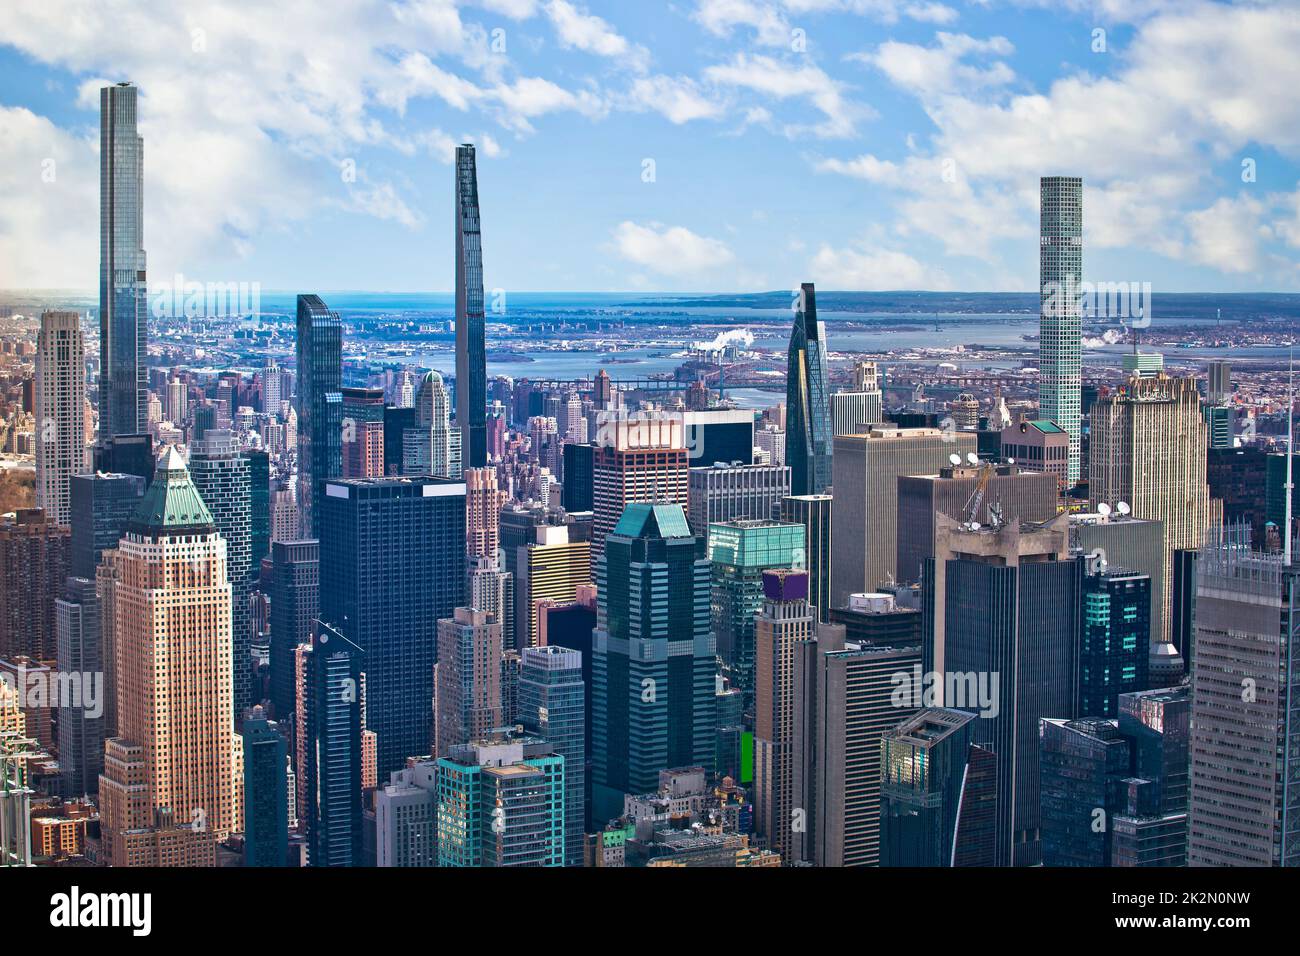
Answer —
332 719
809 436
320 405
295 604
551 706
61 449
471 349
1060 272
172 765
123 289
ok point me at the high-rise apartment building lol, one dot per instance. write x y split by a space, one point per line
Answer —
1060 328
33 566
785 620
471 347
552 707
363 433
653 656
295 606
123 288
483 504
266 792
319 406
469 678
173 763
61 448
81 652
406 817
809 433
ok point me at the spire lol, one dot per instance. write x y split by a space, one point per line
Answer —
172 504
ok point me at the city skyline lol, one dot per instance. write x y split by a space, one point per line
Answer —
915 137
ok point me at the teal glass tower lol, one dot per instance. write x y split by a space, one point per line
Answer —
653 663
1060 327
552 706
809 437
739 552
320 405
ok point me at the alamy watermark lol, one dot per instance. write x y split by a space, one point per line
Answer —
39 688
961 690
179 298
1127 302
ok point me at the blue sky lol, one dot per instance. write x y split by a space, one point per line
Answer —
859 144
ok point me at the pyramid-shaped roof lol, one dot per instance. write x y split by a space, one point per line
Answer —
172 503
649 520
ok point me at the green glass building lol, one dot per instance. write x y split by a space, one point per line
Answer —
739 552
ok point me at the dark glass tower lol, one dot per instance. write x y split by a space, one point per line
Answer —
653 656
123 289
101 506
392 563
320 405
295 604
333 783
266 793
471 350
1115 639
809 436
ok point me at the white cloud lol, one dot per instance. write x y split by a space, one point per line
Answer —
868 268
928 71
679 98
580 30
670 250
782 80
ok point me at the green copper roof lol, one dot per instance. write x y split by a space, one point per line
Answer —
1047 427
645 520
172 503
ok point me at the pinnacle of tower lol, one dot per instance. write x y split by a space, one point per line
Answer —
172 504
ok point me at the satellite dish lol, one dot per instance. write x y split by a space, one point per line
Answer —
955 459
1123 508
1011 461
974 525
1103 509
973 458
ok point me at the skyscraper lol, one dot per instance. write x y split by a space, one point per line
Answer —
81 652
1082 764
295 605
469 678
332 718
653 656
814 513
33 565
638 458
392 563
553 566
1146 447
721 492
175 749
320 405
809 435
221 475
552 704
101 505
1003 606
430 447
1244 809
1114 640
1060 274
266 793
123 289
739 554
483 504
471 348
785 619
61 449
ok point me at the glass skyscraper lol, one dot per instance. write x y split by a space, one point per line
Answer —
809 436
320 405
1060 272
333 749
653 658
552 704
392 562
123 289
471 349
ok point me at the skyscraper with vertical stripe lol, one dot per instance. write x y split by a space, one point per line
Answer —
123 298
1060 272
809 436
320 405
471 352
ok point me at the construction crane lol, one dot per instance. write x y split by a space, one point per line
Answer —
981 487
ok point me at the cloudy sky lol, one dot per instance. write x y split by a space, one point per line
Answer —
692 145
